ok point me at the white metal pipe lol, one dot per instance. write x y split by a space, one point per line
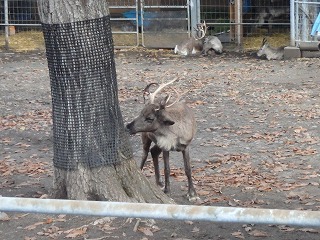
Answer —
6 21
305 21
292 24
161 211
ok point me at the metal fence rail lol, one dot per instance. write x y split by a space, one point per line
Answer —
162 211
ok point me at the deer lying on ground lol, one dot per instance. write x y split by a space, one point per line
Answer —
198 44
270 52
171 127
212 43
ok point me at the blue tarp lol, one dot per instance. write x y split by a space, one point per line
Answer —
146 15
246 7
316 26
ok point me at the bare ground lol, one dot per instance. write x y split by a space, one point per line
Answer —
257 143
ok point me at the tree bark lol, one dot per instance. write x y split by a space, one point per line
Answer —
121 180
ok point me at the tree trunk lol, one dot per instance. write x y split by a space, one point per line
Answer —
92 155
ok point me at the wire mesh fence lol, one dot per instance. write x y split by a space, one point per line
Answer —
124 22
238 19
307 21
19 25
164 23
268 16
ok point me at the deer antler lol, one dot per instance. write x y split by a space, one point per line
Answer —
264 41
146 91
178 98
202 29
153 95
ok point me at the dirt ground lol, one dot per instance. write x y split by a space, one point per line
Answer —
257 143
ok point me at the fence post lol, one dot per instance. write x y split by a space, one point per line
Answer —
238 21
195 15
292 23
305 14
6 22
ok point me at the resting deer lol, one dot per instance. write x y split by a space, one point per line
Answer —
199 43
212 43
270 52
171 127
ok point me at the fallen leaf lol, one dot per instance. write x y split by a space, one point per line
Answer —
49 220
33 226
4 217
310 230
145 231
238 235
195 229
257 233
73 233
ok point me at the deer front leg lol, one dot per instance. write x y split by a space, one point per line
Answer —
166 172
187 167
155 152
146 143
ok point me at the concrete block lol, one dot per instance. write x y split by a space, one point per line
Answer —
310 54
291 52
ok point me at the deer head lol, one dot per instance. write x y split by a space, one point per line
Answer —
153 115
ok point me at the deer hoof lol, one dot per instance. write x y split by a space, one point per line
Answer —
193 197
160 184
166 190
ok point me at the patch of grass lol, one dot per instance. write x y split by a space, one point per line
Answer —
275 40
24 41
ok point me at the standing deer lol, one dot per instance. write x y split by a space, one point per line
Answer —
270 14
199 43
171 127
270 52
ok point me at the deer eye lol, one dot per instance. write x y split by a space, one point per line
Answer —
149 119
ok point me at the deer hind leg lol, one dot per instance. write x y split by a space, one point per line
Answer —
146 143
187 167
155 152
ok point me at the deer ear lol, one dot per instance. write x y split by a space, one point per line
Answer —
168 122
164 118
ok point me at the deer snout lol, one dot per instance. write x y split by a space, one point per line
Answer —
130 128
219 51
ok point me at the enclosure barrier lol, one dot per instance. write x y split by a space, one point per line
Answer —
161 211
309 46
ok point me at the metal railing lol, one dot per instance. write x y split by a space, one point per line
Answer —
161 211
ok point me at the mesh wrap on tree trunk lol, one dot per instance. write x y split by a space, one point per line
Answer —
87 123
